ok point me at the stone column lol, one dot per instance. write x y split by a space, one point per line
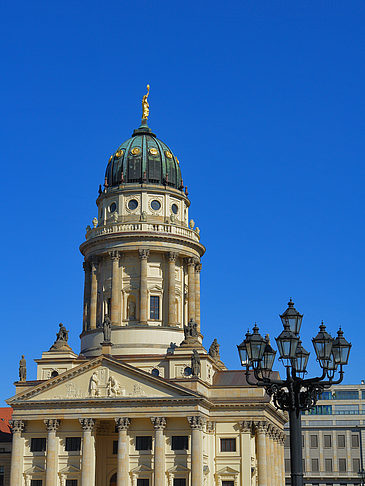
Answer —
269 457
196 423
88 453
115 315
94 294
122 425
276 457
191 288
261 428
17 454
172 291
281 459
198 268
246 431
159 424
52 452
143 304
87 283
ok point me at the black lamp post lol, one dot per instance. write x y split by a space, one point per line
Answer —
294 394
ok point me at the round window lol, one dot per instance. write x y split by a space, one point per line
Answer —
112 207
155 372
155 205
174 208
132 204
187 371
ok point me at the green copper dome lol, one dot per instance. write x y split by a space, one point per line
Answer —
143 158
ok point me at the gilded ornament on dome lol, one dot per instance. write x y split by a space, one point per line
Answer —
145 105
153 151
119 153
136 151
177 160
168 154
110 158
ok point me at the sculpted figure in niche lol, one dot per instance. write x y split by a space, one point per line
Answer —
107 329
214 350
93 385
113 387
195 363
22 369
131 309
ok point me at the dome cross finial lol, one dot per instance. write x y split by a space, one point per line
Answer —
145 105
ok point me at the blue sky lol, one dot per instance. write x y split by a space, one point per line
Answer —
262 102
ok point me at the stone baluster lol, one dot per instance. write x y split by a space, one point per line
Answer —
159 424
52 452
191 288
94 293
143 304
246 432
122 424
17 454
88 453
87 284
115 314
261 428
197 424
198 268
172 289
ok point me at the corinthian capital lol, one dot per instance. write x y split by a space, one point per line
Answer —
261 426
197 422
114 255
17 425
172 256
198 267
158 422
246 426
87 423
52 424
191 262
122 423
143 254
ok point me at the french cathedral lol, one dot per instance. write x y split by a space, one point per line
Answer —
143 403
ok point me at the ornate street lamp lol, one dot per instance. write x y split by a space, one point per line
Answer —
294 394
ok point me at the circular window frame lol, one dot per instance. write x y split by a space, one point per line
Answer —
110 210
159 201
131 198
177 208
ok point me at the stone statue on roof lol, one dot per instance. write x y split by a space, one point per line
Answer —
214 350
22 369
107 329
61 340
195 363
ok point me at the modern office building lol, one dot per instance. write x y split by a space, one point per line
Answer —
333 438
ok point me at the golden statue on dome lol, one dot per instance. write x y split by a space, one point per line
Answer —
145 105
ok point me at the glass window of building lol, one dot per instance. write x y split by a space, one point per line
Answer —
35 482
228 445
287 441
115 447
347 409
154 307
315 465
346 395
356 465
363 394
287 465
182 482
38 444
73 443
326 395
328 465
143 482
342 465
180 443
227 483
355 441
320 410
144 443
327 440
341 441
71 482
314 441
2 475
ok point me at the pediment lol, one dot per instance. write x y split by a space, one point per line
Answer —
70 469
141 469
179 468
227 470
101 379
34 470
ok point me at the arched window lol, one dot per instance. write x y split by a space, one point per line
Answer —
54 373
113 480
